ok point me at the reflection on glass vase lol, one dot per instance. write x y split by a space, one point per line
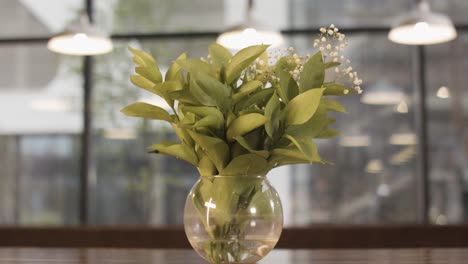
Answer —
233 219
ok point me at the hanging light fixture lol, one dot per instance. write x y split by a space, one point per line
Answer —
443 92
374 166
250 33
423 27
402 107
383 93
81 38
403 139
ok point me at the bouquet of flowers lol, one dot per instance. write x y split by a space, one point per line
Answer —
248 113
242 115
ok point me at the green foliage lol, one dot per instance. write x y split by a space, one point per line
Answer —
233 118
313 74
242 60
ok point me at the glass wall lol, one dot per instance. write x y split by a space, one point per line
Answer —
40 123
448 129
374 179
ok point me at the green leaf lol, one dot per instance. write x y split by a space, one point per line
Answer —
287 88
196 66
149 74
166 90
272 112
327 133
216 149
336 89
246 89
313 74
174 72
138 61
203 111
219 54
246 165
147 111
259 99
244 124
216 90
229 118
180 151
242 60
285 156
237 150
142 82
200 95
206 166
185 96
189 119
264 58
302 107
245 144
307 147
312 127
251 110
210 122
332 64
149 67
292 155
147 59
182 134
333 105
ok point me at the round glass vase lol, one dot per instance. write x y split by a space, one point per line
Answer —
233 219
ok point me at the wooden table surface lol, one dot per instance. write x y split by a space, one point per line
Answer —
143 256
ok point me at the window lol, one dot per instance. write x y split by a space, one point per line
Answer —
375 178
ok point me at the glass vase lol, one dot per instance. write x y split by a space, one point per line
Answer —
233 219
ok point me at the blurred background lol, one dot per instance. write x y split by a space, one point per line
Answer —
379 176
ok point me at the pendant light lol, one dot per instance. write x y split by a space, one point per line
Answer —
81 38
250 33
423 27
383 93
443 92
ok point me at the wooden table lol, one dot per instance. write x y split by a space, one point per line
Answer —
182 256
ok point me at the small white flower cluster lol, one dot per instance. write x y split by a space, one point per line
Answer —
298 61
263 68
253 70
332 43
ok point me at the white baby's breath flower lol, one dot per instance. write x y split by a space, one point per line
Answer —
332 43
